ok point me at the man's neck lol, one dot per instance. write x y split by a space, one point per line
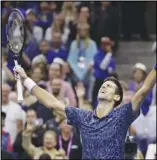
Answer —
104 108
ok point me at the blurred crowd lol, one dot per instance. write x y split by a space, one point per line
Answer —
69 50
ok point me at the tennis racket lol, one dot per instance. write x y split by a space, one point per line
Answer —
15 30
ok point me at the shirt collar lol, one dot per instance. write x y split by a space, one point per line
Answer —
95 115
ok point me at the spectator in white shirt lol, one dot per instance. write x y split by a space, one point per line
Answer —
58 26
37 31
15 116
144 128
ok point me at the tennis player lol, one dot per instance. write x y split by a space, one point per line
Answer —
104 130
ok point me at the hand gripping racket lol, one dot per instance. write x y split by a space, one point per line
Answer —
15 30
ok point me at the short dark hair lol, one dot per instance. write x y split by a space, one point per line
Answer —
45 156
119 90
31 109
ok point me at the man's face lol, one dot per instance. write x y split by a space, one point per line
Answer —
56 86
105 46
37 75
49 141
31 17
56 39
65 127
31 116
59 20
83 32
5 93
44 47
54 71
107 91
84 12
138 75
44 6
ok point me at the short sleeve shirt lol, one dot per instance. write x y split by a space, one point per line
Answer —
102 138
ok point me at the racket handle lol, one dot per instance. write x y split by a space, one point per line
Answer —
19 86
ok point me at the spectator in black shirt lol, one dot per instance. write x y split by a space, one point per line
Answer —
69 141
31 117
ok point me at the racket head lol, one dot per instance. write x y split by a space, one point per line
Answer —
15 31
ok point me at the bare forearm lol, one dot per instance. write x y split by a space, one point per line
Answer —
150 81
27 145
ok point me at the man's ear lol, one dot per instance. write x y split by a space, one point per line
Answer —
117 97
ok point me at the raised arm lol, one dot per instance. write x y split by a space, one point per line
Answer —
43 96
26 141
140 95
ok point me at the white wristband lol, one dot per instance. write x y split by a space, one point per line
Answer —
29 84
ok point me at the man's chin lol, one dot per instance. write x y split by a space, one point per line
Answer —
101 98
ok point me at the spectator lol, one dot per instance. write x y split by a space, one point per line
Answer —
31 46
36 30
46 51
57 50
40 62
107 23
82 102
7 75
5 12
45 16
81 55
56 85
58 26
144 130
15 116
38 74
69 11
13 96
139 73
36 139
55 71
28 100
54 122
104 64
6 141
69 142
53 6
49 143
83 17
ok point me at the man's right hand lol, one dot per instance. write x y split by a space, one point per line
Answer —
30 128
19 71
